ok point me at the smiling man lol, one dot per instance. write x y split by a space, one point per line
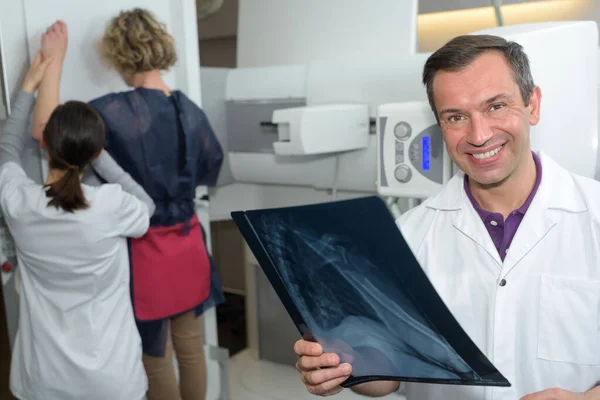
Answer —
511 243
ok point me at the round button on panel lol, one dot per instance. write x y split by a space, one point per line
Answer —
402 131
403 173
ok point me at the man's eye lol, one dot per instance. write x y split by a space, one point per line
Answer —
495 107
455 118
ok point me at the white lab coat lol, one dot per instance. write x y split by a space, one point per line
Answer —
542 329
77 337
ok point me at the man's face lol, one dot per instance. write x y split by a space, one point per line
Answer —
483 118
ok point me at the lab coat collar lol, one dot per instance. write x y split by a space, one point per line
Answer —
557 190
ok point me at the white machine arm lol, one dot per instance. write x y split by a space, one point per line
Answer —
321 129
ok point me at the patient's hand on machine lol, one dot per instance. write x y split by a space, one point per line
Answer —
54 48
55 41
322 373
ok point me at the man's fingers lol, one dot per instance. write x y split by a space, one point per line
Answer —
321 376
310 363
305 348
323 383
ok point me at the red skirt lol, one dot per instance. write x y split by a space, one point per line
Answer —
170 270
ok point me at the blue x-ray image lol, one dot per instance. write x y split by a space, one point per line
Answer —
349 281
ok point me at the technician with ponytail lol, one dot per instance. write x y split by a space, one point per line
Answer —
77 337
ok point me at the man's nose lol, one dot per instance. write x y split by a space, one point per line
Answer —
480 131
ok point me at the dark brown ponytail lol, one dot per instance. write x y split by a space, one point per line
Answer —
67 193
74 136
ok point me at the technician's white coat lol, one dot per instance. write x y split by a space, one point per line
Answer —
77 337
541 330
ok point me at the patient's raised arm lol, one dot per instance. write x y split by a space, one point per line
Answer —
54 48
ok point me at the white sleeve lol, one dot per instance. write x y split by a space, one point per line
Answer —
133 217
18 280
12 177
401 389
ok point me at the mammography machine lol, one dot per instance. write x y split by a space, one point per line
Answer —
397 160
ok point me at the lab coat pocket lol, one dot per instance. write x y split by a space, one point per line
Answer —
568 326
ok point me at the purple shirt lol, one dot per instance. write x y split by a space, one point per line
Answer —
503 231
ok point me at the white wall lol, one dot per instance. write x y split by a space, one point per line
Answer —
85 76
283 32
288 32
246 196
12 20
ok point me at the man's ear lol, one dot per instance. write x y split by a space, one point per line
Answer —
535 102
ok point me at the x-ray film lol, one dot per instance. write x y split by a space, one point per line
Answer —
349 281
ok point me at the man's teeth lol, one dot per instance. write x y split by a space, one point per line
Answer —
491 153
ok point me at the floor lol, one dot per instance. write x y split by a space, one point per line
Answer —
249 377
254 379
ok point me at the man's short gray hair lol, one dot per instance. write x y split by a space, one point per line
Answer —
461 51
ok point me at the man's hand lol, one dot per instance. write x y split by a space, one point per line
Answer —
55 41
36 73
322 374
555 394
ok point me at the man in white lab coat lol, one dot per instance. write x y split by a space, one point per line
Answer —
512 245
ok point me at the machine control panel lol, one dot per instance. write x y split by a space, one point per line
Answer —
412 159
403 173
402 130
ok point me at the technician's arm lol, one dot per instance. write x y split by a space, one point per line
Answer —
12 139
108 169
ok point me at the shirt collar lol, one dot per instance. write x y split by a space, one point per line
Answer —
523 209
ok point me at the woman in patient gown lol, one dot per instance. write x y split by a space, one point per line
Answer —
165 142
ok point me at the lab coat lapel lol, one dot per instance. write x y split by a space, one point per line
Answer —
469 223
464 217
557 193
536 224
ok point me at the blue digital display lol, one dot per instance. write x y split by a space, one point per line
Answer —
426 153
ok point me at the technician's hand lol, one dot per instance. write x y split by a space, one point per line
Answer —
554 394
55 41
321 373
36 73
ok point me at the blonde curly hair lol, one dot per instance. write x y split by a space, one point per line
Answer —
134 41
